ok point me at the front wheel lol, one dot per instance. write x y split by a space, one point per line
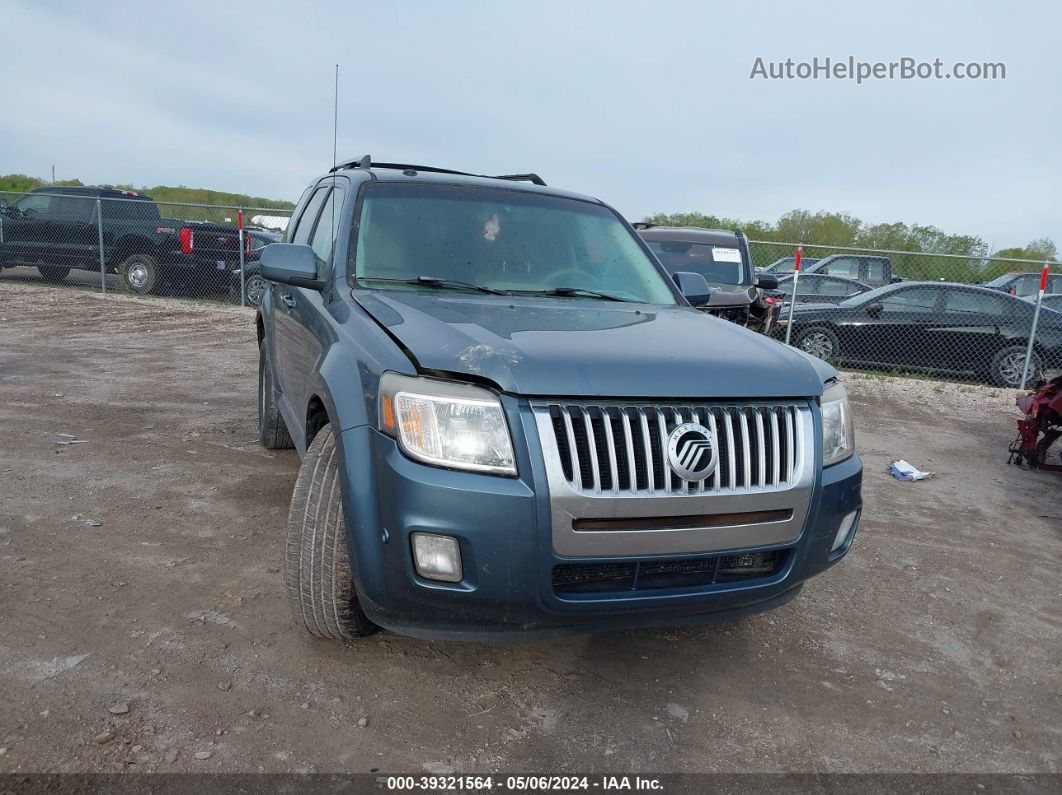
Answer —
818 341
53 273
317 572
140 273
1008 365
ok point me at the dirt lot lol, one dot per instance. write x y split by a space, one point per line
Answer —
139 575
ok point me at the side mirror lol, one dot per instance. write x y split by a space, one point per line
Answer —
291 263
693 287
766 281
874 310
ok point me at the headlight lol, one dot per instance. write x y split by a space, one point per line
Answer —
838 434
447 424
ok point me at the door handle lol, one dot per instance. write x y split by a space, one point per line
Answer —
289 300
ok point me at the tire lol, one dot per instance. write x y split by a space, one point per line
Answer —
140 273
317 571
272 432
254 288
1006 367
818 341
53 273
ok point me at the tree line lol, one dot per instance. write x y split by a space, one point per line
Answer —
824 230
20 183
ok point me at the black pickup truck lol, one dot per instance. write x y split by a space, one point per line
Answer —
57 229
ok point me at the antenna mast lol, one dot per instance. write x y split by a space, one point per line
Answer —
335 122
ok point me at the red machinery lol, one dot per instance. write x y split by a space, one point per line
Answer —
1040 427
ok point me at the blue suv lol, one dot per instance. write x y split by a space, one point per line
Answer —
512 420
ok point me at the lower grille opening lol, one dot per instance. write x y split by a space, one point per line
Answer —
646 575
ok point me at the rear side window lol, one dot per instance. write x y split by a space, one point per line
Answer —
876 270
963 302
843 266
833 287
75 208
129 209
305 225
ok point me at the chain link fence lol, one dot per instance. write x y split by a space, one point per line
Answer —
900 312
116 240
908 313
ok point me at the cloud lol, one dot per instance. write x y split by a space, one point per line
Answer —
649 107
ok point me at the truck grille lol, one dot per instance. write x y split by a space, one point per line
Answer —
622 449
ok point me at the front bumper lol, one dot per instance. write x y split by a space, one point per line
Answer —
504 530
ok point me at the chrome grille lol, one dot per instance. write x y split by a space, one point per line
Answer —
622 449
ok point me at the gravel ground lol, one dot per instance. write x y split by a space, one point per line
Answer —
143 625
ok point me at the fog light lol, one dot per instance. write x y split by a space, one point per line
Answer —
842 532
437 557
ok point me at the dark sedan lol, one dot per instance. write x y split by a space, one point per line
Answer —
931 326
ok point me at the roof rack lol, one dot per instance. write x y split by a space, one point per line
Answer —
365 162
534 178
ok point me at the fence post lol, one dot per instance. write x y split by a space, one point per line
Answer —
243 276
99 229
792 299
1035 322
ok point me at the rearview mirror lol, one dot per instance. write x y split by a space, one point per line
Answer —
291 263
693 287
766 281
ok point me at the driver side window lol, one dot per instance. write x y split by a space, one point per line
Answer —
915 299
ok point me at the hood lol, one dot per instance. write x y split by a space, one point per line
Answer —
589 348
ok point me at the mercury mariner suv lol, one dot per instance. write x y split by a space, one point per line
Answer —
512 420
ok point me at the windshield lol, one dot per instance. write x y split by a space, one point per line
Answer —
507 240
720 264
870 296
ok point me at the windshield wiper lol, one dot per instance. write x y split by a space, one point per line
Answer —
576 291
438 281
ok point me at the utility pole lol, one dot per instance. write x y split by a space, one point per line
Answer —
53 173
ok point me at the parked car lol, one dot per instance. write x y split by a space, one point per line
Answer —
873 270
818 289
933 326
1023 284
254 285
57 229
786 265
722 258
1051 300
513 422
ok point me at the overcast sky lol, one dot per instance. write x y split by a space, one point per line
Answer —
647 105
